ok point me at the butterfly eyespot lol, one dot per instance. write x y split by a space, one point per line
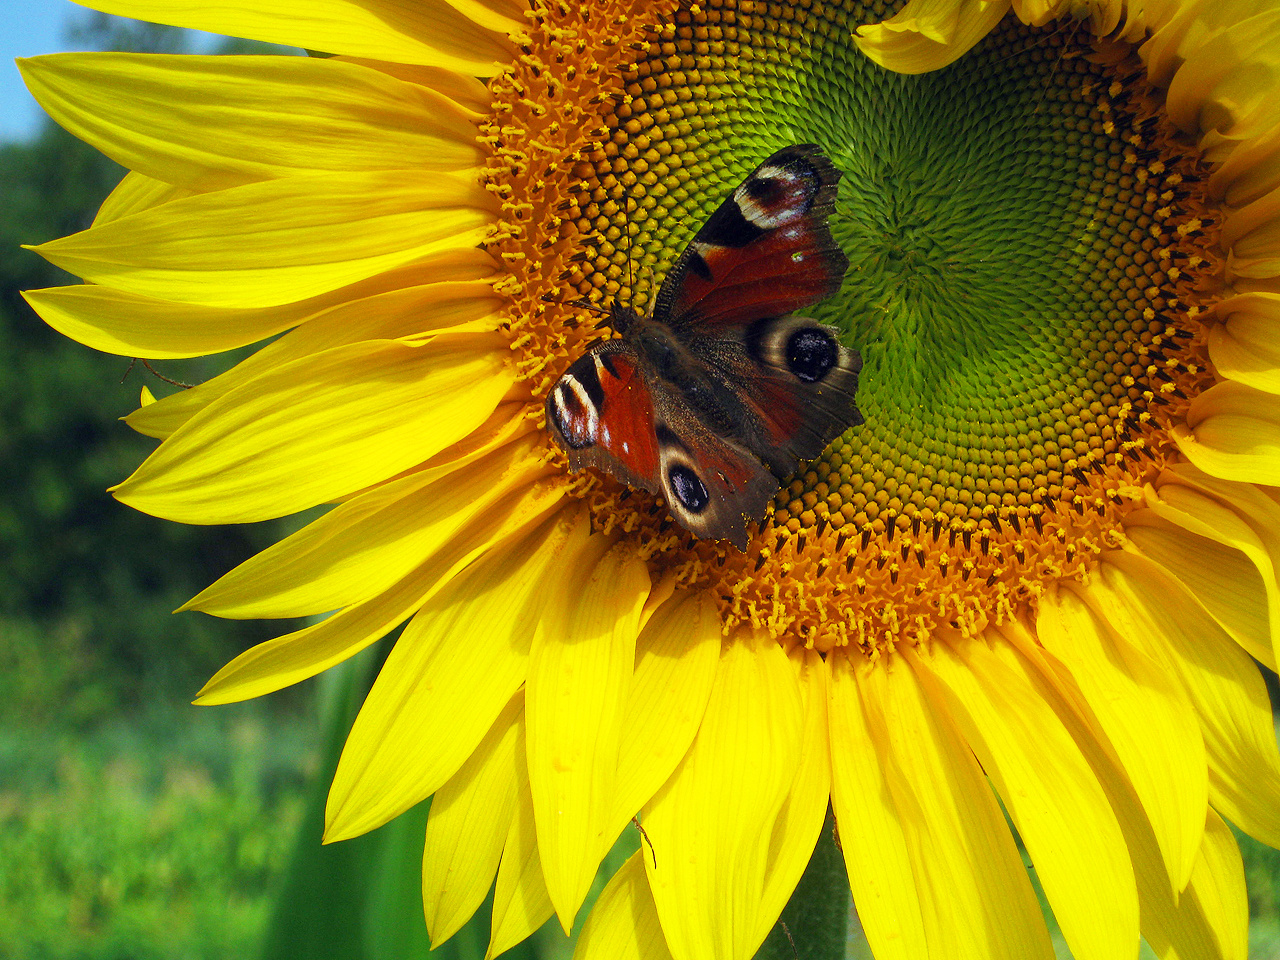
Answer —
689 490
811 354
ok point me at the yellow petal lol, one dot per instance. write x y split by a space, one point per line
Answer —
304 653
275 664
1251 171
623 924
1244 346
466 91
929 34
135 326
368 543
1173 925
520 901
799 824
1178 30
470 818
452 670
1209 921
1219 889
1220 680
390 315
212 122
278 241
974 896
676 656
1103 15
1220 92
874 836
1145 717
425 31
1251 235
1235 433
130 325
135 193
1048 788
500 16
321 427
1236 515
711 823
580 667
1223 580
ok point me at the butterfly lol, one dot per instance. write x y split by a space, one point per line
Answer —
720 392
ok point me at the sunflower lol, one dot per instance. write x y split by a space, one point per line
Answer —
1035 582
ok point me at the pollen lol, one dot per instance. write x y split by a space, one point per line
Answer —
1031 248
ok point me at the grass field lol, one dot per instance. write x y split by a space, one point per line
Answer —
155 836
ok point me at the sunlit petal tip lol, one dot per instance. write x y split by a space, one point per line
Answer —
1223 685
469 822
466 655
927 35
274 116
276 242
624 923
1126 689
722 803
433 32
268 448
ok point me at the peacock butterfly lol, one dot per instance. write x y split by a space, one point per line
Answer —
721 392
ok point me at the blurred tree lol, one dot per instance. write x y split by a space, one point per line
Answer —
88 585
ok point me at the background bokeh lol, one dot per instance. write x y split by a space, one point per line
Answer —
132 825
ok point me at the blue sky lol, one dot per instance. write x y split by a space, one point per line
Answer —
27 28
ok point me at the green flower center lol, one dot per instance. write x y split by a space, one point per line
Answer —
1028 253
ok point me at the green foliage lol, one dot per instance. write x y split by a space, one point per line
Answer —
155 837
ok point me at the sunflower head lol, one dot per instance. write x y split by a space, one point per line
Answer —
1031 249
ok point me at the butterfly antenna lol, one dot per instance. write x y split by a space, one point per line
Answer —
626 231
1078 15
582 303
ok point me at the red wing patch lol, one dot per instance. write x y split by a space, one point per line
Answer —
602 413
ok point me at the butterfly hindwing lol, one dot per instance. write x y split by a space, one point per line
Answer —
713 486
796 382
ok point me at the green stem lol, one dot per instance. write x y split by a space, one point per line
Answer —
817 915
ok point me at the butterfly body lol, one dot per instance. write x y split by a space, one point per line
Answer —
720 392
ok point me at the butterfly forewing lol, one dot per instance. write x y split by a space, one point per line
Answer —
765 252
601 413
